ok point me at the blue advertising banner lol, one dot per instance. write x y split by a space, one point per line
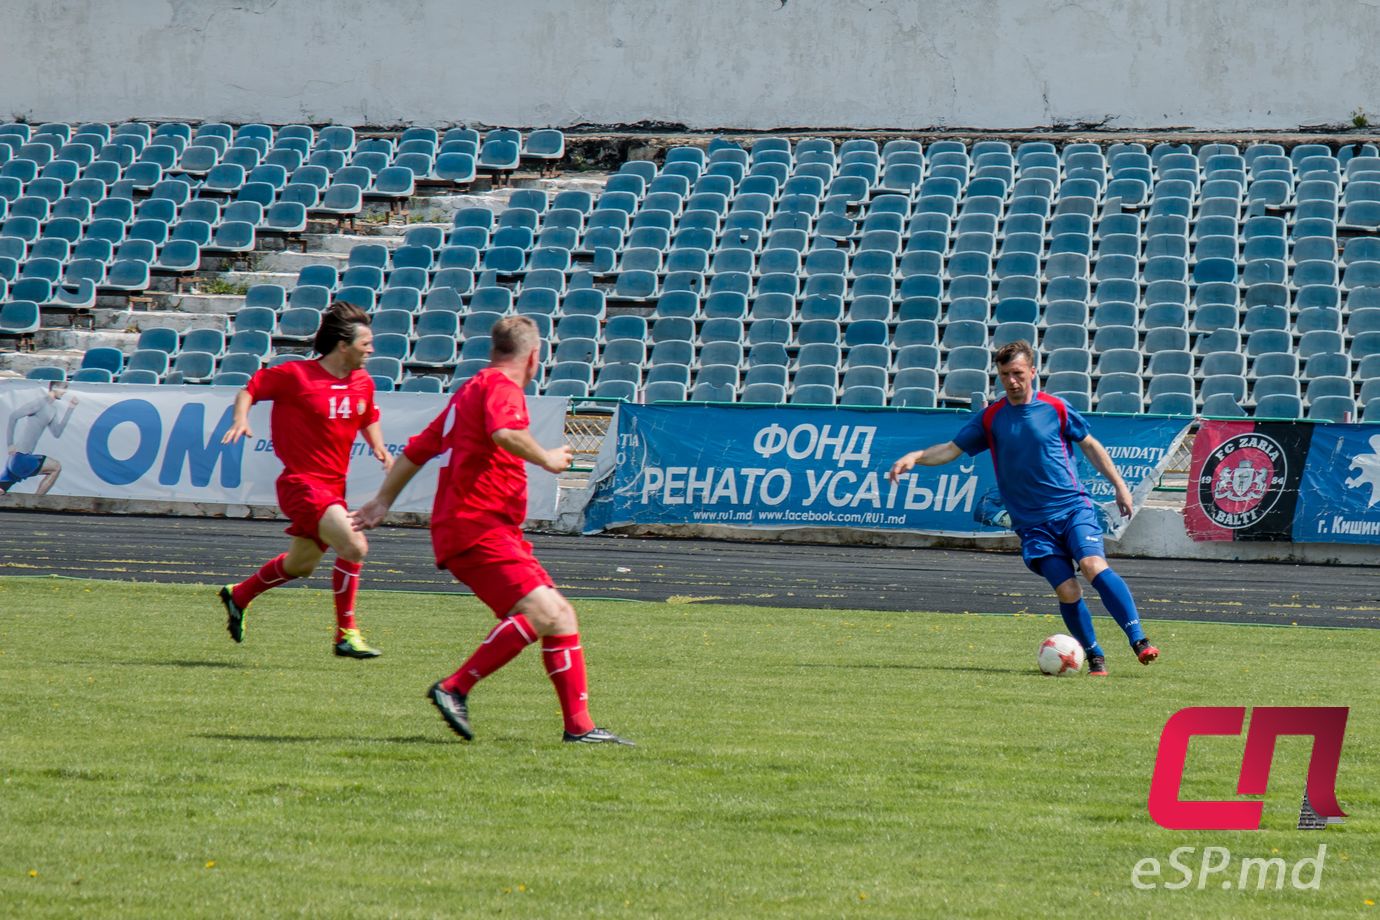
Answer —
1339 493
792 467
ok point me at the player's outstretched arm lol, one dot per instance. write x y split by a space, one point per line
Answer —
519 441
372 512
239 425
373 436
1102 462
934 455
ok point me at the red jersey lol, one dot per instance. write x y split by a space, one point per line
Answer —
483 486
316 416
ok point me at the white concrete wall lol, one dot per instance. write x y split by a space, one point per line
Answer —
1222 64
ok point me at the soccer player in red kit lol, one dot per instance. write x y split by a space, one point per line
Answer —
318 408
476 530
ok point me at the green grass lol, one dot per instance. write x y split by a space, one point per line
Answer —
790 763
221 286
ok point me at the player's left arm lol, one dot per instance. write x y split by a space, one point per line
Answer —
373 436
1102 462
519 441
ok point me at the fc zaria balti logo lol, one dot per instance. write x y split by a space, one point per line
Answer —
1242 480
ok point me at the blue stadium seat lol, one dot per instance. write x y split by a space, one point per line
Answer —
193 367
1332 408
433 351
664 391
300 324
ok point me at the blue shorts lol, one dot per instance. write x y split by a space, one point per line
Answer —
1073 537
20 467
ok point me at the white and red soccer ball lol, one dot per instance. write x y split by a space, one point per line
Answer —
1061 656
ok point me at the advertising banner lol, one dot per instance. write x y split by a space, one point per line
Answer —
1285 481
806 467
163 443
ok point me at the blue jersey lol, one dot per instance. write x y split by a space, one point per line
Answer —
1032 452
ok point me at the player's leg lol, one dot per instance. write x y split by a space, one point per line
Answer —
51 470
564 660
303 556
1059 572
505 575
500 573
1043 551
1116 597
503 643
298 562
351 548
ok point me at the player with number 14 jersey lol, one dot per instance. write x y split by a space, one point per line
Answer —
319 407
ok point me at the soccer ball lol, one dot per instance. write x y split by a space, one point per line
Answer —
1061 656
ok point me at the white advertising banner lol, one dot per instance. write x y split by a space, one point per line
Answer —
163 443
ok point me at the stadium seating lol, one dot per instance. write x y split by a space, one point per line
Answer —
1202 274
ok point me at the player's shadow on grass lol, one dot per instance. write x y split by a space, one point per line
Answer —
189 663
1024 672
174 663
872 666
330 739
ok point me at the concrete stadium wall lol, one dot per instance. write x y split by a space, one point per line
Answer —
751 64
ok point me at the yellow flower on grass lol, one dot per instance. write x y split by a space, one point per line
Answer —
33 873
210 864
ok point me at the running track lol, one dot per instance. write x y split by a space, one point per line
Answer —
216 551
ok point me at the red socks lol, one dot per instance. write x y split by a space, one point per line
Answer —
502 645
565 665
344 580
562 656
345 583
270 576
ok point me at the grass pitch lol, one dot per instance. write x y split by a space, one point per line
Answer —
790 763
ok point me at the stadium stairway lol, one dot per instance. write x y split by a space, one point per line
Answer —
212 298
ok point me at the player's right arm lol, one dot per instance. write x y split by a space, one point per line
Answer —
372 512
265 386
239 426
428 443
934 455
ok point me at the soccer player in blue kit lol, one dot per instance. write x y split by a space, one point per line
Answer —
1029 434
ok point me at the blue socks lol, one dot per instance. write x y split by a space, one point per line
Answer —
1116 597
1078 621
1077 617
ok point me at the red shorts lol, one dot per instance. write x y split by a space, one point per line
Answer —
304 501
500 569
